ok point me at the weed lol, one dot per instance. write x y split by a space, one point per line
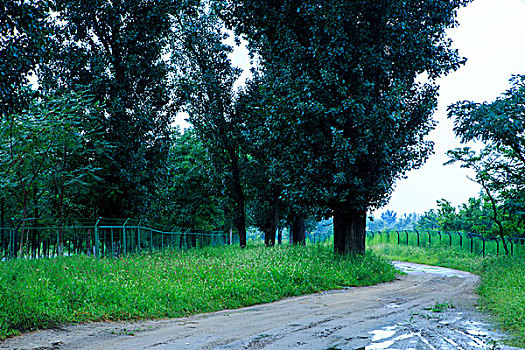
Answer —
441 306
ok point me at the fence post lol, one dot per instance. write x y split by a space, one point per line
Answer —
429 240
112 244
398 239
150 240
11 244
460 239
138 236
471 243
124 243
97 243
497 246
483 238
417 232
406 231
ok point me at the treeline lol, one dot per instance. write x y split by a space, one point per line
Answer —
475 216
331 118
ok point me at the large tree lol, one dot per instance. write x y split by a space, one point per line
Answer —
348 72
115 51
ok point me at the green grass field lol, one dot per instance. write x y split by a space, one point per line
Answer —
36 294
502 287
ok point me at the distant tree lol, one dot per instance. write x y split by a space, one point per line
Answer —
375 224
191 197
448 218
429 221
46 156
347 73
389 217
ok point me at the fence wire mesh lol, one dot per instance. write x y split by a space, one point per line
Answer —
475 243
100 237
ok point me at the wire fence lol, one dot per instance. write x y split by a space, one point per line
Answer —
40 238
474 243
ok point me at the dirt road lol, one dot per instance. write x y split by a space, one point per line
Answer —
394 315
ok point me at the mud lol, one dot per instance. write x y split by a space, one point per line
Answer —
428 308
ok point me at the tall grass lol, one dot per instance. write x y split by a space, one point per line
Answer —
502 291
502 287
43 293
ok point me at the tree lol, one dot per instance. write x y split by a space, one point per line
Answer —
206 86
389 217
114 50
348 72
191 199
500 164
47 156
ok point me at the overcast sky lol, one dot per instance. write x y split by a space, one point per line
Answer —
491 34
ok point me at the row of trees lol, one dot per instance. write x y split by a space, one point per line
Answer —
333 115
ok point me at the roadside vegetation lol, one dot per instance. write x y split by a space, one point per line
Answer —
37 294
502 279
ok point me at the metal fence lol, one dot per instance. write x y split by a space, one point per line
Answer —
474 243
39 238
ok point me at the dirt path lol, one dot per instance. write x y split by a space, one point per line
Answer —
393 315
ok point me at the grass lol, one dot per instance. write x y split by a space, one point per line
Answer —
37 294
502 287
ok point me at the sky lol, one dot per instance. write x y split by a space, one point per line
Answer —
491 35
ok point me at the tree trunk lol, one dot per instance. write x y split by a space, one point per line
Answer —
279 235
298 230
271 226
349 231
238 193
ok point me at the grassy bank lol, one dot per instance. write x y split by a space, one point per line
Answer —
43 293
502 287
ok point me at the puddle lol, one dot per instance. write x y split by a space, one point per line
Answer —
380 334
458 337
380 346
414 268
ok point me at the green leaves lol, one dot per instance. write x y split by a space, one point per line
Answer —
50 150
500 163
